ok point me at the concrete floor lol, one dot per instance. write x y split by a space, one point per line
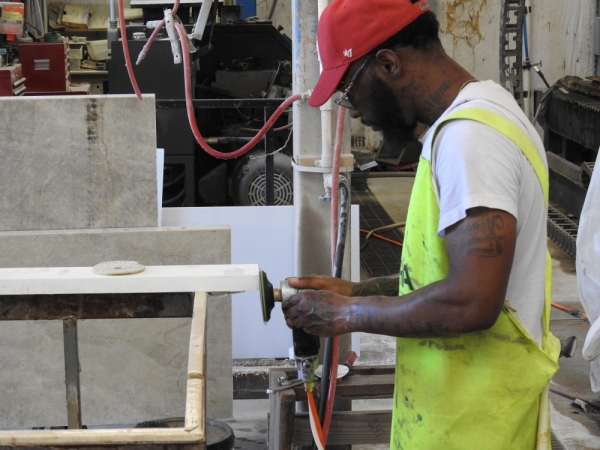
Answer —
574 428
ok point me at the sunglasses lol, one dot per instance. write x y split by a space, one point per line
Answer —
344 101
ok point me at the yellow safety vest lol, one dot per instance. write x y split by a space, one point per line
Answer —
482 390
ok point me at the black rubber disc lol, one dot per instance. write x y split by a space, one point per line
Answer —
219 435
267 298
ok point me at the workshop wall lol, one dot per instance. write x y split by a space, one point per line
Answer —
561 37
282 15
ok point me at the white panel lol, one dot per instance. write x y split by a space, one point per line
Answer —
160 163
265 236
259 235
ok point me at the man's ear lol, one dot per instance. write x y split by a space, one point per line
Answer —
389 63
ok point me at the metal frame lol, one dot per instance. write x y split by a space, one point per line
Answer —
511 47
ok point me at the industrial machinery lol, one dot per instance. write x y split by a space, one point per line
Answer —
568 114
236 60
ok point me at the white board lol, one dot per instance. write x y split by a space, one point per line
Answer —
262 235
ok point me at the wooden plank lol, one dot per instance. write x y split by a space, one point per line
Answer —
96 306
281 416
349 428
192 436
81 280
121 436
357 387
196 388
116 447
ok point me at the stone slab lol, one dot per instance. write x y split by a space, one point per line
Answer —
131 370
77 162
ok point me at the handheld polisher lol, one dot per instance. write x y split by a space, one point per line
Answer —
306 346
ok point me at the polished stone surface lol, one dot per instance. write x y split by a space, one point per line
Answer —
131 370
77 162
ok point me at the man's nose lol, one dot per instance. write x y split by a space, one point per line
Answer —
354 112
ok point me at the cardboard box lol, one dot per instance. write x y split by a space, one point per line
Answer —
76 16
11 18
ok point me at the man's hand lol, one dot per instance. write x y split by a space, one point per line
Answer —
322 283
373 286
323 313
480 252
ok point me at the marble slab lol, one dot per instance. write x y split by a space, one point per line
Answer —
132 370
77 162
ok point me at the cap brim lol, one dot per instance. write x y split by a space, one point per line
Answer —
326 85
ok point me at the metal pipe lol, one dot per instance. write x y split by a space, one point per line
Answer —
112 19
112 33
326 115
527 97
311 214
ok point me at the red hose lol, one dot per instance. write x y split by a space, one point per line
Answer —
312 410
136 89
332 387
335 170
255 130
383 238
573 312
192 119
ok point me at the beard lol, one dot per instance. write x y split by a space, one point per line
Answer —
388 117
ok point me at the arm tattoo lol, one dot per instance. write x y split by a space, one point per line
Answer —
387 286
482 234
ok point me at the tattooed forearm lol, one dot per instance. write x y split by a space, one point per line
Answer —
380 315
482 234
387 286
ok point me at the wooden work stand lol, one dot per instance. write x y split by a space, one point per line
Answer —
74 293
288 428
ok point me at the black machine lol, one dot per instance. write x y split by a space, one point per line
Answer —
568 113
233 61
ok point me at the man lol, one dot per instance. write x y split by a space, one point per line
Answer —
469 308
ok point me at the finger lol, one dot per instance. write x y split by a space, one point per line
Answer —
308 282
299 283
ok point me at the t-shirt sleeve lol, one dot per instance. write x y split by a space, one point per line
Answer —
474 166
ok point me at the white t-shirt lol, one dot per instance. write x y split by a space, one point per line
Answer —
476 166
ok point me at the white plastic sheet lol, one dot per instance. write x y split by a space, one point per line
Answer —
588 274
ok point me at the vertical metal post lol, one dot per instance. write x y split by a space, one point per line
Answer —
269 164
72 372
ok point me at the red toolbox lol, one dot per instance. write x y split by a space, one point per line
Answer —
12 82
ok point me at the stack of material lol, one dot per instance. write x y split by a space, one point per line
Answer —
78 186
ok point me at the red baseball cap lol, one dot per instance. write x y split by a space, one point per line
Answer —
349 29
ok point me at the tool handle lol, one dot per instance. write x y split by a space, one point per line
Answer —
305 344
